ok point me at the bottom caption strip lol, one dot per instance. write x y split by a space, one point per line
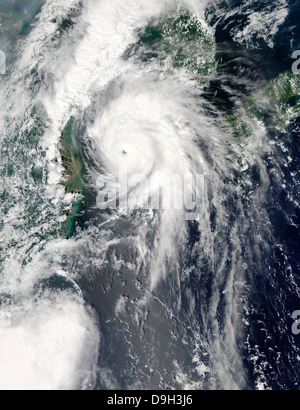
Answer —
139 400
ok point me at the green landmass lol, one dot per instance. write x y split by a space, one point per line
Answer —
75 180
185 41
111 321
187 274
284 91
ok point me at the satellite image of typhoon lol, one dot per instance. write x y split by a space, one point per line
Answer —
149 195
